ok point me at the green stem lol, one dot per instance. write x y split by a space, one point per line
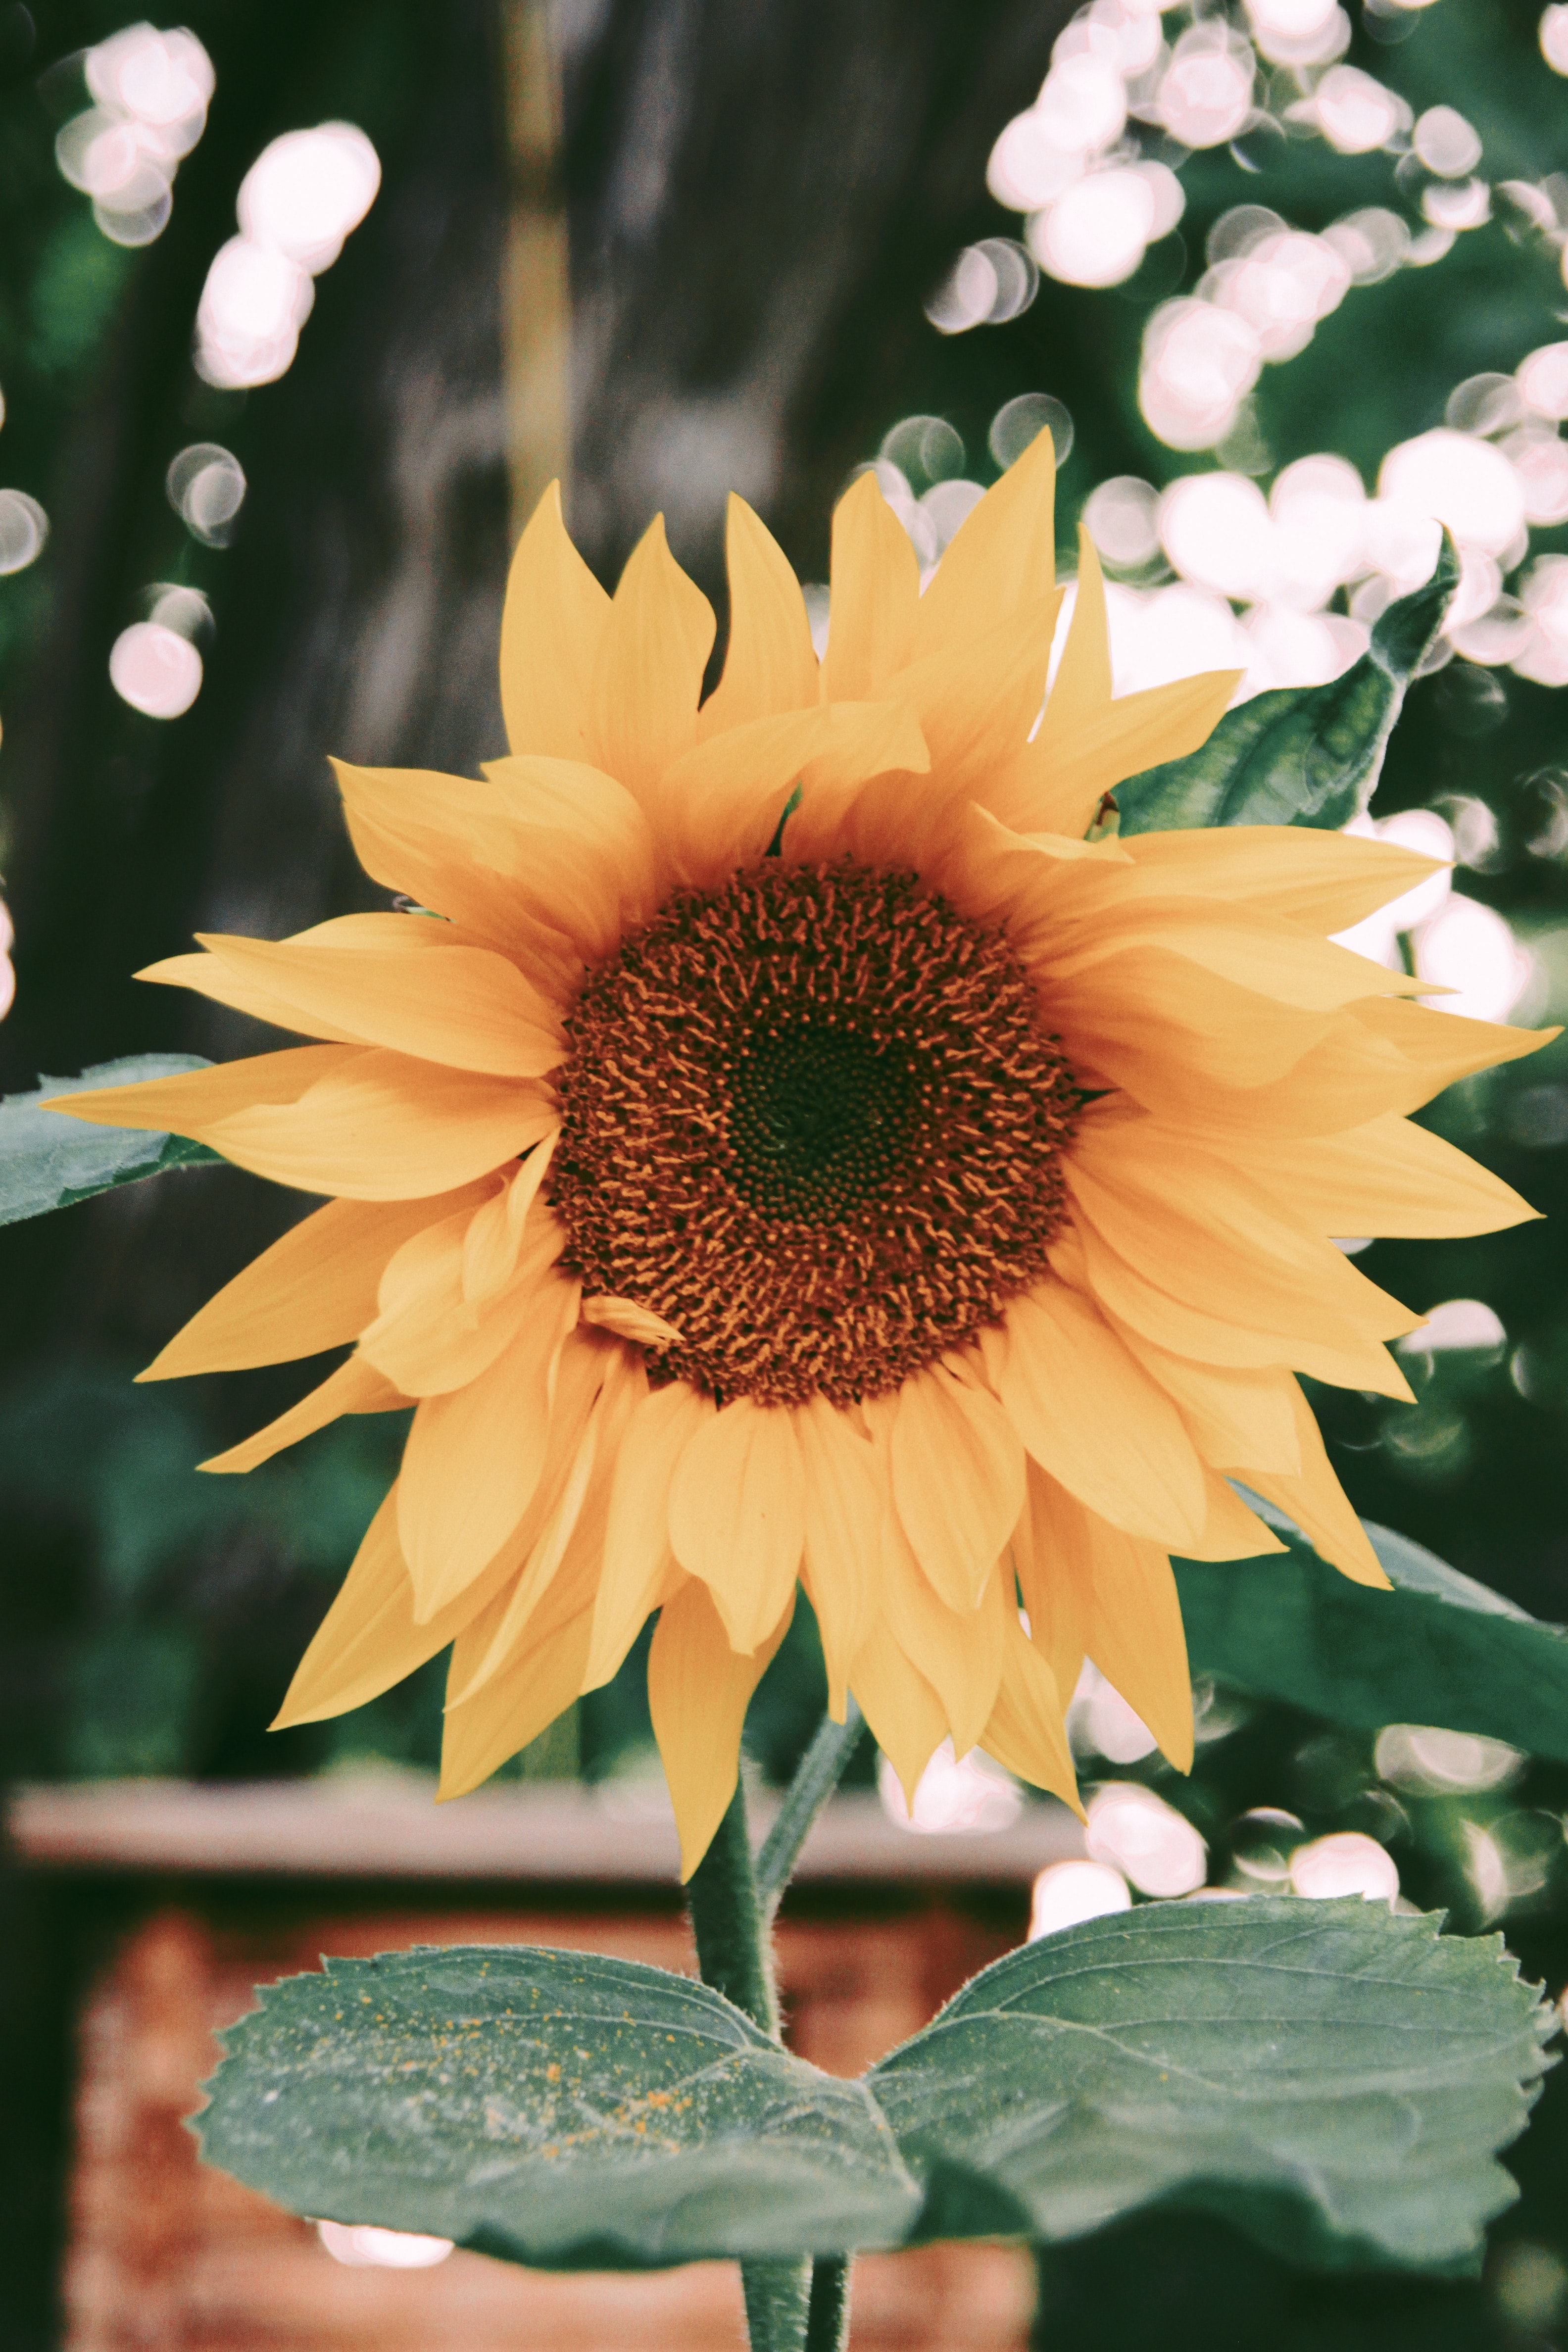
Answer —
791 2307
827 2321
818 1774
732 1955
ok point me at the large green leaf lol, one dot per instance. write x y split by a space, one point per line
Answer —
1332 2079
1300 755
47 1162
1438 1649
557 2109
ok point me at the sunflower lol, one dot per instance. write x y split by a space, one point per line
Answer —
782 1148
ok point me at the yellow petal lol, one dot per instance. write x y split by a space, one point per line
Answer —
907 1718
1387 1177
629 1321
737 1515
1130 1298
478 1738
354 1387
1238 1419
197 1099
382 1126
844 1502
1325 881
1002 556
976 700
552 623
368 1640
445 841
959 1657
497 1230
958 1481
719 806
429 1339
637 1539
875 594
469 1008
1231 1531
1056 1577
1134 1621
473 1458
1059 793
648 672
771 662
316 1288
1318 1504
1091 1416
699 1689
1026 1732
1082 688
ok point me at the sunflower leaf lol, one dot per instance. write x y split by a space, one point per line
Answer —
1301 754
1333 2080
49 1162
558 2108
1440 1649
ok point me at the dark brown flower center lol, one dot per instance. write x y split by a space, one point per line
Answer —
813 1120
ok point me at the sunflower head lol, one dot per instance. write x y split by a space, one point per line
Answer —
810 1148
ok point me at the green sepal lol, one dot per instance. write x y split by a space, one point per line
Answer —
1301 754
48 1162
557 2109
1440 1649
1334 2080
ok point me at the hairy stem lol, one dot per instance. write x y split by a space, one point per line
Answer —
827 2320
818 1774
727 1922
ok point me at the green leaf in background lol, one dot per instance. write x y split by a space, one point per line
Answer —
1331 2079
1440 1649
1301 754
49 1162
557 2109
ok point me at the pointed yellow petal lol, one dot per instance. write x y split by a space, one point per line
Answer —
737 1515
771 662
907 1718
1056 1576
496 1231
637 1539
1324 881
430 1339
1238 1420
875 594
205 976
844 1501
1059 792
976 700
445 841
629 1321
699 1689
1387 1177
550 627
719 806
1136 1640
368 1640
354 1387
959 1657
1231 1531
1319 1505
1082 688
648 672
382 1126
197 1099
1002 556
474 1458
958 1481
469 1008
477 1736
316 1288
1026 1732
1091 1416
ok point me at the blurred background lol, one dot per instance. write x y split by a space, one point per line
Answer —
299 310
